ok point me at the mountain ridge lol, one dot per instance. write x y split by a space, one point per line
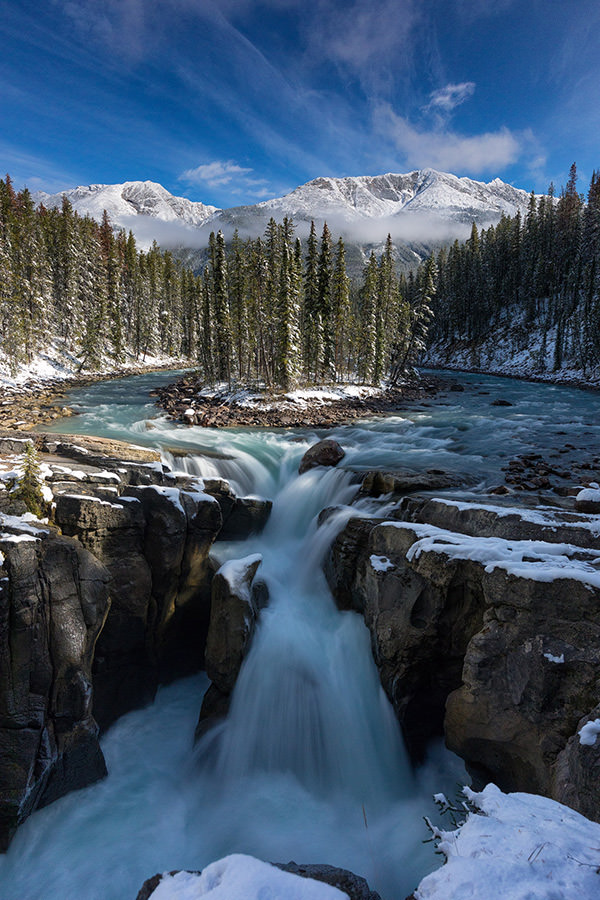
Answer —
421 209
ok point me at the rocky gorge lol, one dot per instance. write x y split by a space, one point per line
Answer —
482 611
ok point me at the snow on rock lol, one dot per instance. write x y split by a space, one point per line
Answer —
589 733
25 524
240 877
381 563
235 572
547 516
535 560
173 495
588 499
516 847
555 659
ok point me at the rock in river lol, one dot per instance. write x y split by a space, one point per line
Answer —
325 453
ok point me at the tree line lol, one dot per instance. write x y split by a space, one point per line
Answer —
266 310
539 273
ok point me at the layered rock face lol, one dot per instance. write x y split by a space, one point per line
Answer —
98 608
484 622
53 603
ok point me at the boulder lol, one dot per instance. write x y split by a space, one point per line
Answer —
53 603
242 516
346 881
588 499
377 482
353 885
324 453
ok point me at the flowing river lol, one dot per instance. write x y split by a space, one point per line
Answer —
309 764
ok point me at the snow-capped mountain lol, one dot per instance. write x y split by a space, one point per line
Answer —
419 209
133 198
382 196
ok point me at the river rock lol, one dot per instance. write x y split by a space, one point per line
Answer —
346 881
377 482
232 621
481 636
588 499
242 516
53 603
324 453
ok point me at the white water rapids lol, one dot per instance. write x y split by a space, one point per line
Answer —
309 764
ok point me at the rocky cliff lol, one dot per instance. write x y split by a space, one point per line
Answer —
485 624
98 606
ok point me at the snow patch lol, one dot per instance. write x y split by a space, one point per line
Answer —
589 733
380 563
234 572
173 495
590 494
555 659
516 847
240 877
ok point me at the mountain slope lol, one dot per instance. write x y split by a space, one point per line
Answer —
133 198
420 209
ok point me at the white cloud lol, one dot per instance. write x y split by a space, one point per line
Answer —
218 173
450 96
445 149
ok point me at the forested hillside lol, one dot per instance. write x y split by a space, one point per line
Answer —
262 311
524 296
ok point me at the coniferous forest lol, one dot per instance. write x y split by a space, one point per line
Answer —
264 310
538 275
274 311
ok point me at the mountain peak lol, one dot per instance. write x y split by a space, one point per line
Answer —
419 208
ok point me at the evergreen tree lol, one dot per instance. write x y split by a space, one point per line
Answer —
325 307
311 314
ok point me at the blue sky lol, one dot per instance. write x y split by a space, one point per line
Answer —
238 101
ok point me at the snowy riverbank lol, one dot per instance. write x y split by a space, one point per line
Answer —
511 351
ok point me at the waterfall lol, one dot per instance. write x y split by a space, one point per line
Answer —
308 702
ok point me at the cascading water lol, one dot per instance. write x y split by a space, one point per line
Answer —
310 749
308 702
309 765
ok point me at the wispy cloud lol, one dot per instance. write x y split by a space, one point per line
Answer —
450 96
214 174
372 43
446 149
